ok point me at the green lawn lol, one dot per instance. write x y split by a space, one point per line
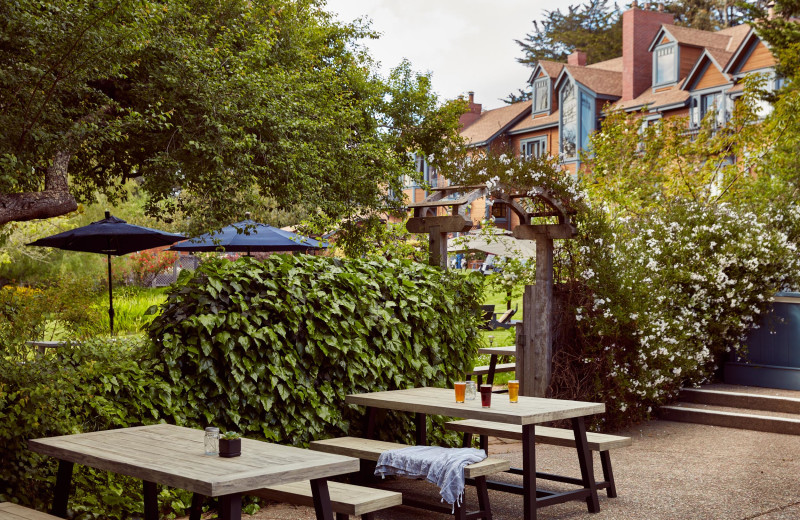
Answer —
501 337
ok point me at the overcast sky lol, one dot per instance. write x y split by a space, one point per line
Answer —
465 44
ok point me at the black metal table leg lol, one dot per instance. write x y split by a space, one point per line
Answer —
150 500
421 429
371 419
529 471
63 483
196 509
483 497
230 507
608 475
322 499
492 368
586 463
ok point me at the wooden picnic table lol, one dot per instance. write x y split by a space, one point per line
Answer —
499 351
175 456
528 412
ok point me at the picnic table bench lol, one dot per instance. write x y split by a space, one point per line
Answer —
599 442
9 511
526 413
346 499
493 367
371 450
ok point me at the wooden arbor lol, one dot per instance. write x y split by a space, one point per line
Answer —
426 220
535 340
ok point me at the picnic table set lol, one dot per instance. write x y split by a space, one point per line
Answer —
178 457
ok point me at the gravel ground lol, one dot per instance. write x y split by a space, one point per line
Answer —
673 471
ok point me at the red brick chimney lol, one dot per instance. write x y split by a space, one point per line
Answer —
639 27
578 57
473 114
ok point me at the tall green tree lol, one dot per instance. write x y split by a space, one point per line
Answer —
203 102
594 27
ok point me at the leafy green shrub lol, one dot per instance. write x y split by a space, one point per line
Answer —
273 348
22 318
96 386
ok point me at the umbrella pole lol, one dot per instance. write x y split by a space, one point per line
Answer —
110 297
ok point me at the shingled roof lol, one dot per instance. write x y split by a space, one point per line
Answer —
601 81
614 65
530 123
654 100
493 122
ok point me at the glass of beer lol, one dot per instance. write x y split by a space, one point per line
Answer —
513 391
486 396
461 387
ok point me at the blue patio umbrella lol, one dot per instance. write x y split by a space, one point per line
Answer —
248 237
110 236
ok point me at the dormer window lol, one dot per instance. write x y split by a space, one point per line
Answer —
541 95
665 66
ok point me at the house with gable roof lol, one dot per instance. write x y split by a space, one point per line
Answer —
665 71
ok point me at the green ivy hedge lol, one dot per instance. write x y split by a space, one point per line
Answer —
272 348
99 385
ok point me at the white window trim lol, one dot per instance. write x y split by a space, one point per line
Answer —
546 81
676 72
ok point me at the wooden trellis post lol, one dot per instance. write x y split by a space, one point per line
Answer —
535 339
426 220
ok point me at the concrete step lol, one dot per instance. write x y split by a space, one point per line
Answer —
727 417
741 399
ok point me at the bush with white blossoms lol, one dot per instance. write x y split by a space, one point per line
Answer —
653 297
663 299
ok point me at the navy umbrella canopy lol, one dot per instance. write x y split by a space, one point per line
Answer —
110 236
248 237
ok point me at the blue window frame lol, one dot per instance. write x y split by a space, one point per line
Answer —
569 122
536 147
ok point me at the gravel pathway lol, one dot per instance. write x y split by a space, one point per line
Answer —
673 471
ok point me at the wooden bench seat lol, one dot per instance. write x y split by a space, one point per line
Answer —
369 449
599 442
489 371
9 511
346 499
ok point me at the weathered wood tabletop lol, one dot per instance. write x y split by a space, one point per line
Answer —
527 412
441 401
175 456
499 351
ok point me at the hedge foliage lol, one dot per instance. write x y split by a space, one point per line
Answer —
98 385
272 348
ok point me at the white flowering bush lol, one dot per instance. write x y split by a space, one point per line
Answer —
664 297
661 283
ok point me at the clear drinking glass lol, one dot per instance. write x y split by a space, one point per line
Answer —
212 441
471 392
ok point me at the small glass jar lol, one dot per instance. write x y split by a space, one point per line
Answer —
212 441
471 391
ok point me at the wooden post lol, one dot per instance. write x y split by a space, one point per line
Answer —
437 243
522 348
542 317
528 331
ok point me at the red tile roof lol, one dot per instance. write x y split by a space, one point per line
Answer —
493 121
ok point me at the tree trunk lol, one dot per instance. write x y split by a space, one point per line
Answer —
54 201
